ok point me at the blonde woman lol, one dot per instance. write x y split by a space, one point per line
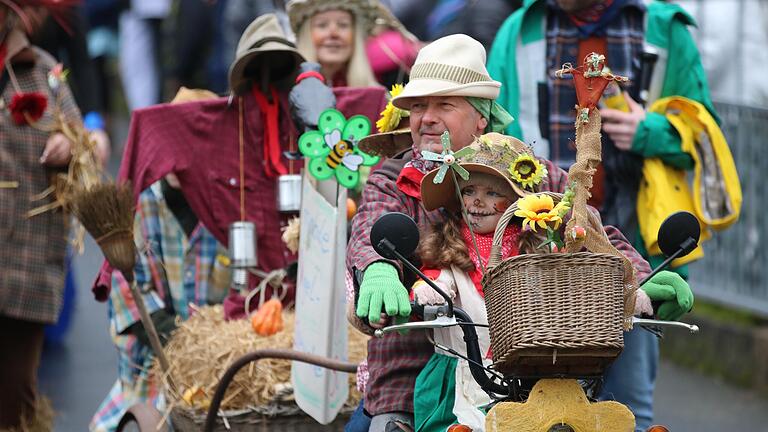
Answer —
333 33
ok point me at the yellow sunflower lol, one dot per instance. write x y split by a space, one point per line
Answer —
562 208
391 115
538 210
527 171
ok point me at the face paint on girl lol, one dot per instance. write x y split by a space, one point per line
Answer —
485 203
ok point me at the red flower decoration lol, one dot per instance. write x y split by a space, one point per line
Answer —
33 104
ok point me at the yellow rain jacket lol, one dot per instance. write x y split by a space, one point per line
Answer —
715 194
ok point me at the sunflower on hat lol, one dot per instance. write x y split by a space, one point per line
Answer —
392 115
394 133
527 171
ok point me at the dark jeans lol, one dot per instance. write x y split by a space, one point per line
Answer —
359 421
21 344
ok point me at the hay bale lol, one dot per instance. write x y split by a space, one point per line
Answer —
204 346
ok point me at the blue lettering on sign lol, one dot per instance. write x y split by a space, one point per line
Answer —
307 285
317 233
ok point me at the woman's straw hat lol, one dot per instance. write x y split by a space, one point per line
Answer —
371 13
263 44
450 66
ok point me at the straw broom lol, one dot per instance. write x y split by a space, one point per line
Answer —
106 212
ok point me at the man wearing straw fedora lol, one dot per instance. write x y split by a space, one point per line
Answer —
450 90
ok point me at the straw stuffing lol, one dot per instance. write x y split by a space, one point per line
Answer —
205 345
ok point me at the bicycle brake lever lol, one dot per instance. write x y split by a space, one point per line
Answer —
439 322
658 323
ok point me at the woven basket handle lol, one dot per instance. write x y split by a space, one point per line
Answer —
498 235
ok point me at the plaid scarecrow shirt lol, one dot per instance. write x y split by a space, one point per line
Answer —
173 270
395 360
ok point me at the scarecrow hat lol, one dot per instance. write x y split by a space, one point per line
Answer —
393 125
498 155
450 66
370 13
263 43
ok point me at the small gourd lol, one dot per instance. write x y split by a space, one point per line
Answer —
268 319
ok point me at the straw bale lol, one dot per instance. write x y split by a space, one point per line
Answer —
204 346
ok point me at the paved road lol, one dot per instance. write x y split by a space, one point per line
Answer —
78 374
688 402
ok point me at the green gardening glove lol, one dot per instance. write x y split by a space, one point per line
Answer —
674 293
381 288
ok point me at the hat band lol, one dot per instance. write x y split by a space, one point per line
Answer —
277 39
441 71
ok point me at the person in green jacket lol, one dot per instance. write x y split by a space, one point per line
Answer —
536 41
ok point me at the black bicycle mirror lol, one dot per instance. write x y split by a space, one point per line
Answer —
399 230
680 230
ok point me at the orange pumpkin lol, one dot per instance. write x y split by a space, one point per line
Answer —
268 320
351 208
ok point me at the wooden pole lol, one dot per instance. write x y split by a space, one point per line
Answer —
149 326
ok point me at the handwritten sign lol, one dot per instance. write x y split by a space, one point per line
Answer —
321 326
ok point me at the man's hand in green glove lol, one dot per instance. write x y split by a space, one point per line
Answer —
381 289
674 293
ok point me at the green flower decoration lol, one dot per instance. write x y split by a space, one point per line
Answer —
332 149
448 158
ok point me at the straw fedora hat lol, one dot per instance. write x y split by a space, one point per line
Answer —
495 154
263 44
450 66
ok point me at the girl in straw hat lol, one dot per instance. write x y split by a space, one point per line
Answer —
454 253
334 32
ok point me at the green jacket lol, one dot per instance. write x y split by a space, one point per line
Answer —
517 60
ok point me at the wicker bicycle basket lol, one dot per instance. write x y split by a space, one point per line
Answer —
554 314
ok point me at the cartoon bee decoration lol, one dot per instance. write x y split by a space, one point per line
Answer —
332 149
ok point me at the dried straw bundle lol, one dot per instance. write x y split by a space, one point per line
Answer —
106 211
204 346
83 171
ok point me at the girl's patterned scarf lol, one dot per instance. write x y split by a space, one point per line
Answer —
484 244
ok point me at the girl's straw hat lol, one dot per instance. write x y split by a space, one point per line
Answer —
495 154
